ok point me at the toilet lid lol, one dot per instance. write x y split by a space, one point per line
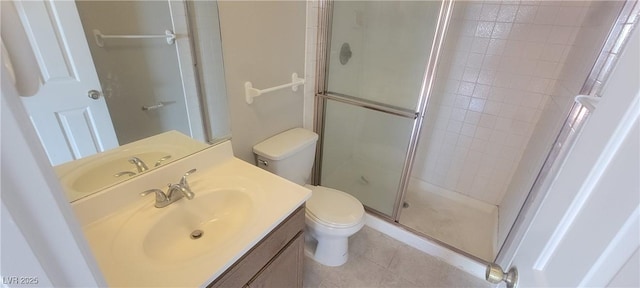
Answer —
334 208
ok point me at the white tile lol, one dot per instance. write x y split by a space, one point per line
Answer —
470 74
532 50
466 89
464 141
472 117
488 121
492 107
474 60
480 45
489 12
571 16
481 91
519 32
561 35
468 130
546 15
496 46
454 126
483 133
526 14
491 62
468 28
486 77
484 29
477 104
501 30
507 13
479 145
458 114
472 10
539 33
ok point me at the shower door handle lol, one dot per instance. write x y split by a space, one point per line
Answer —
94 94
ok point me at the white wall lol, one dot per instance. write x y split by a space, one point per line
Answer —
53 248
590 37
262 42
135 72
14 38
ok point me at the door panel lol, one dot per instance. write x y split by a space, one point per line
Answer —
69 124
586 227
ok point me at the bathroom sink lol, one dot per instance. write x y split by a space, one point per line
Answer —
101 173
236 204
185 229
82 177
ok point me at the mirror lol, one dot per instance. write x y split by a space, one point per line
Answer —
123 86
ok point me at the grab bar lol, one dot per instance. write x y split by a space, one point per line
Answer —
157 105
250 92
168 34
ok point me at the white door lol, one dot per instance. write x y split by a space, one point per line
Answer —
586 232
70 124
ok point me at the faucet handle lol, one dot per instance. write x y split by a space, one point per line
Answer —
140 165
160 196
161 160
183 180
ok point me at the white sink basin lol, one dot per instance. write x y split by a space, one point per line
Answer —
83 177
236 204
101 173
163 235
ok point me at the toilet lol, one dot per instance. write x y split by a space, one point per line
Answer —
331 215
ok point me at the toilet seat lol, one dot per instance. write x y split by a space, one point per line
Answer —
333 208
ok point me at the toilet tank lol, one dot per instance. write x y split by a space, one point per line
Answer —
289 154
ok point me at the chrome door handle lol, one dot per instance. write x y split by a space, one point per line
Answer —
94 94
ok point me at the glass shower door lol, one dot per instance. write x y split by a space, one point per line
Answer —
376 65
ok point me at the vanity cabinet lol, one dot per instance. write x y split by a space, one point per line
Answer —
276 261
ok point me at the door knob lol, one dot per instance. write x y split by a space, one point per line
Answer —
495 275
94 94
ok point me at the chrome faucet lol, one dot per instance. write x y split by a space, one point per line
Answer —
128 173
139 164
174 192
161 160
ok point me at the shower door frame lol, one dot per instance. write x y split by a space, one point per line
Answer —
325 11
626 21
322 94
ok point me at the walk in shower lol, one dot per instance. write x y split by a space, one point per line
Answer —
439 116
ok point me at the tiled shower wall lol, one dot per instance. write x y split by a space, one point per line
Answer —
498 68
310 62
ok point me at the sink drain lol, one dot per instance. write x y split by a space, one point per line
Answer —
196 234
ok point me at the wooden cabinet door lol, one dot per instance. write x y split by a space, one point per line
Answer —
285 270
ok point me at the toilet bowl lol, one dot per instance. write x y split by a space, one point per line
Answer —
331 215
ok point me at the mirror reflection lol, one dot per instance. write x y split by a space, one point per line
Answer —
123 86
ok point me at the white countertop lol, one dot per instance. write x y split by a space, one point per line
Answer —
274 199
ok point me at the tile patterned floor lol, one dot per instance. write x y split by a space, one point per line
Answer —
376 260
